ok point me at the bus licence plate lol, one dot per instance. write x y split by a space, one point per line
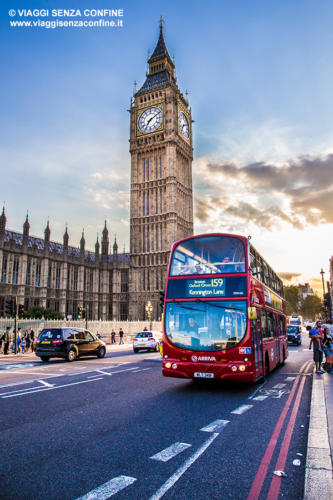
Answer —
203 375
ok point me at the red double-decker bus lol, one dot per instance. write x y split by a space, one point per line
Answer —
224 311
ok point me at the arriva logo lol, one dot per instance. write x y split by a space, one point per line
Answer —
203 358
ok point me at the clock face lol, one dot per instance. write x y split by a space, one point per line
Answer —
150 120
183 125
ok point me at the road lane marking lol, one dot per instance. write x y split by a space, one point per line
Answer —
259 398
50 388
242 409
45 383
281 461
22 372
216 426
104 373
170 452
279 386
290 379
109 489
179 472
266 460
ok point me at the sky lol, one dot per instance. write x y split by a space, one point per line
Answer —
259 75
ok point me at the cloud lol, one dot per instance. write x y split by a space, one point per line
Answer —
298 193
289 276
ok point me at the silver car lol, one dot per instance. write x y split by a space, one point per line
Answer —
147 340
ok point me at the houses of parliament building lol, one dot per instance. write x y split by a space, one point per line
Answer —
109 284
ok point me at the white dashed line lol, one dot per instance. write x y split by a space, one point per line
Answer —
216 426
170 452
45 383
242 409
259 398
174 478
50 388
279 386
290 379
109 489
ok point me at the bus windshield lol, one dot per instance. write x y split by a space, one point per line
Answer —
208 255
205 325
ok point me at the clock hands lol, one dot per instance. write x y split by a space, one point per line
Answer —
150 119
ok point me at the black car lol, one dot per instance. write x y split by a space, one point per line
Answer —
68 343
294 334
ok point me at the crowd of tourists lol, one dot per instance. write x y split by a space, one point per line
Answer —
321 342
18 342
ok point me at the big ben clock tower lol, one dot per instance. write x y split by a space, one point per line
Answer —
161 179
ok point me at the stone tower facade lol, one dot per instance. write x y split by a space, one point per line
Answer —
161 210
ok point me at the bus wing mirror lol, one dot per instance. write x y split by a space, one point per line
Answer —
252 312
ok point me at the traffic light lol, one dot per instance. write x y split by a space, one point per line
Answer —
83 313
162 294
9 307
79 312
20 309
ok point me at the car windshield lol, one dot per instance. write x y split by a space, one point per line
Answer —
50 334
208 255
205 326
292 329
143 335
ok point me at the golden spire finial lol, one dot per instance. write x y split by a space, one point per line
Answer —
161 22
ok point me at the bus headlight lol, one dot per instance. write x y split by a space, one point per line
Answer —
174 366
234 368
246 360
242 368
168 365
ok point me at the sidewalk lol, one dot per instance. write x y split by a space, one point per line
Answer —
318 472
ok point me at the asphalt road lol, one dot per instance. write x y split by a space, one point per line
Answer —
115 427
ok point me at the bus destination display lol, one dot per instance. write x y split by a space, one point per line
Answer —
205 287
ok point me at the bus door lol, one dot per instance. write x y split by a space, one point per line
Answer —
257 345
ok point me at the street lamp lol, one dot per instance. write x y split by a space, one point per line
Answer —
322 272
149 310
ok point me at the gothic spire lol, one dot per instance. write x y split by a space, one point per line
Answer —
97 246
26 226
3 220
47 231
161 50
82 242
66 238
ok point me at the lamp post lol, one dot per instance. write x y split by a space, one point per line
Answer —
149 310
322 272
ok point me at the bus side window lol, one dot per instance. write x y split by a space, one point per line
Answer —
270 324
253 265
263 323
259 269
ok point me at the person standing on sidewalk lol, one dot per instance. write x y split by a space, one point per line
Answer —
121 335
329 355
113 337
7 337
316 343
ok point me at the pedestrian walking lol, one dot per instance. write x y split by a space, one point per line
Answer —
23 343
121 335
7 338
32 339
2 340
113 337
18 340
27 341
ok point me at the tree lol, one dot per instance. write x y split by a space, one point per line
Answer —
311 306
38 312
292 297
